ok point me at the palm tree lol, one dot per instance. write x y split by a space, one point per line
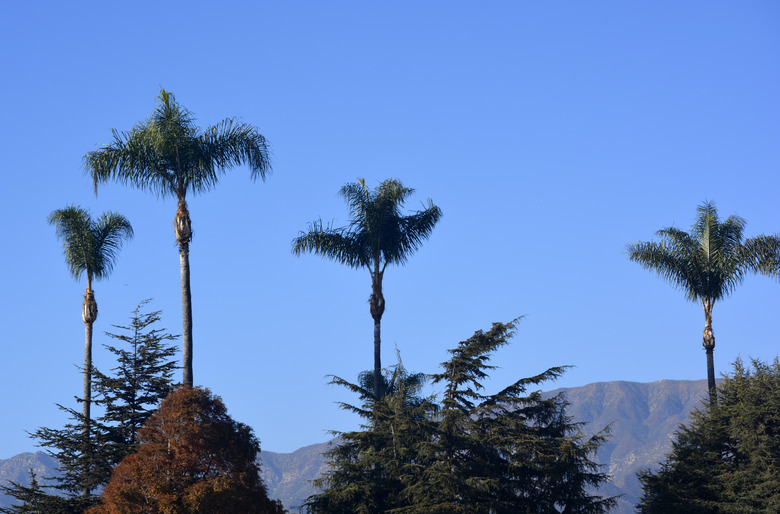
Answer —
377 235
708 263
169 156
91 248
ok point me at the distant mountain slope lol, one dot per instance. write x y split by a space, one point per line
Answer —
289 475
643 418
17 469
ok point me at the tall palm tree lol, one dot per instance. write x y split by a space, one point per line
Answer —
377 235
708 263
91 248
169 156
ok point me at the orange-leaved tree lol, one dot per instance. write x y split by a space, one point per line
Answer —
193 458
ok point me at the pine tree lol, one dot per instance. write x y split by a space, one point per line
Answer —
142 378
34 499
471 453
372 466
728 458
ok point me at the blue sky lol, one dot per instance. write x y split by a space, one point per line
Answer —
551 135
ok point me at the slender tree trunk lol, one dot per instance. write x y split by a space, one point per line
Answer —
183 230
711 376
377 307
88 315
87 375
186 313
708 341
377 359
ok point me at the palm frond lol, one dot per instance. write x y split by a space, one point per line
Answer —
763 254
337 244
72 226
674 267
132 159
90 247
358 198
110 232
231 144
414 229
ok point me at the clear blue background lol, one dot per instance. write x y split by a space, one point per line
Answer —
550 133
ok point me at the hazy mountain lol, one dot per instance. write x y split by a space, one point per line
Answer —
642 418
17 469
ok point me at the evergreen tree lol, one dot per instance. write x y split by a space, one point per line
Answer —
728 459
471 453
34 499
370 468
142 378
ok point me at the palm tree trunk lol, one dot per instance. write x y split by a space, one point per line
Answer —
377 307
377 360
711 376
708 341
183 229
89 315
87 375
186 313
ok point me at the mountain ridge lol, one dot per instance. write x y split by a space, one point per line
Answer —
642 418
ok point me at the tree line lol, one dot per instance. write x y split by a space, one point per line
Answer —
168 155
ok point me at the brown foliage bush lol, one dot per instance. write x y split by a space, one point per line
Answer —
193 458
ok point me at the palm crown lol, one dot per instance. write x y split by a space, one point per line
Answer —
378 234
169 155
711 261
91 246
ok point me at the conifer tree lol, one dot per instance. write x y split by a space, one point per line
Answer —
34 499
368 465
471 453
142 378
728 458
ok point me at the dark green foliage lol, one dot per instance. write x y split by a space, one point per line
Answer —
728 459
142 378
508 452
84 459
370 469
91 246
35 500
